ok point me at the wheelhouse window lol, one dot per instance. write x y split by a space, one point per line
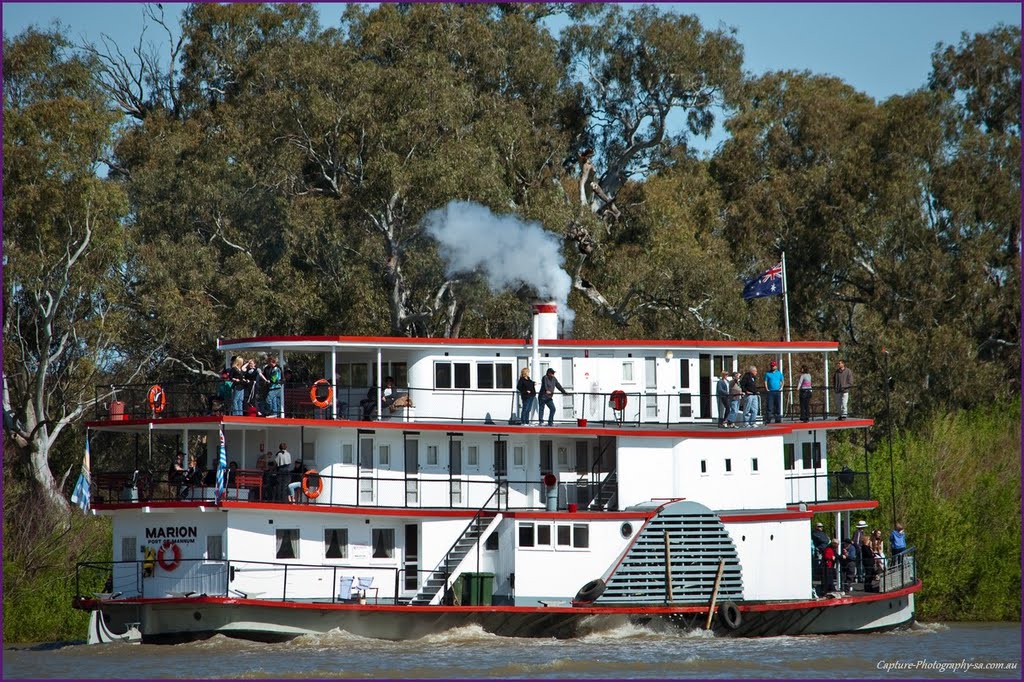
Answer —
811 455
494 375
789 456
451 374
336 543
527 535
383 540
287 543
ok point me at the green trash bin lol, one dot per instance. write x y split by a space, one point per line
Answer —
478 589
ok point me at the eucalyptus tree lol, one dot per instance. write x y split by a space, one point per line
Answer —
64 314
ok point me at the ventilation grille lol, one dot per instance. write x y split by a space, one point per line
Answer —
697 541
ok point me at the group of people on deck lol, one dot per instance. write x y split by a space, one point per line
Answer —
739 396
247 389
860 559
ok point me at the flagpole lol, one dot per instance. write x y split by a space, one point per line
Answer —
785 309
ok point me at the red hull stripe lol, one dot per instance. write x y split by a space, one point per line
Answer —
90 604
401 341
794 515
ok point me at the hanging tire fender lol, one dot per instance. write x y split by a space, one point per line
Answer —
730 615
591 591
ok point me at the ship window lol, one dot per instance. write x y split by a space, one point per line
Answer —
650 374
472 456
287 543
626 530
500 458
544 535
346 453
336 543
627 372
753 464
728 465
432 455
703 466
215 547
564 535
526 535
563 456
492 541
128 545
811 455
451 375
383 540
789 456
518 456
545 457
580 535
485 375
384 456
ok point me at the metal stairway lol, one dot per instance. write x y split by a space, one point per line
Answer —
605 498
448 569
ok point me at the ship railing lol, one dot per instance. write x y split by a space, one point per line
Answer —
361 488
822 486
893 573
278 581
324 401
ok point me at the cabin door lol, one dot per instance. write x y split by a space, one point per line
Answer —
520 490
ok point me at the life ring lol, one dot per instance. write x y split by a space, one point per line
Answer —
312 493
316 389
175 556
157 399
591 591
618 400
730 615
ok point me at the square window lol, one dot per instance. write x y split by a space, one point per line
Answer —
564 535
580 535
526 535
287 543
336 543
215 547
485 375
461 375
383 541
544 536
442 375
503 375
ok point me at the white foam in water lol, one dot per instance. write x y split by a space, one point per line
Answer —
464 634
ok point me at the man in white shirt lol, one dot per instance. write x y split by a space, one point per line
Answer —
284 468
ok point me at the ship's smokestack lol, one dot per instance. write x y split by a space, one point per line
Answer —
545 320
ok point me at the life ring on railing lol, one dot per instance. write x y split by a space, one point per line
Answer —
617 400
315 391
591 591
312 493
157 399
730 615
168 565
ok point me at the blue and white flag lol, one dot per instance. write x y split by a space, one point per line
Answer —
80 495
768 283
222 470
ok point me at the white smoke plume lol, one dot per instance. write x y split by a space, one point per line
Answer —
508 252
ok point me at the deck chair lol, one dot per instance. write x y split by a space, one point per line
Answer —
345 587
364 586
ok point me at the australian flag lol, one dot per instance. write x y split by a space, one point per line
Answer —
768 283
80 495
222 470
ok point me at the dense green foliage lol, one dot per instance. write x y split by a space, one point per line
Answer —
958 493
275 179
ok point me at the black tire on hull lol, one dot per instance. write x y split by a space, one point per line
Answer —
730 615
591 591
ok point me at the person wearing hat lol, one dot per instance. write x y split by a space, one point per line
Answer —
548 384
862 527
773 381
828 566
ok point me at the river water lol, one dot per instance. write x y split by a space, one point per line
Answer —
932 651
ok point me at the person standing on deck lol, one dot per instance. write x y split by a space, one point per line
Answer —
527 393
722 394
897 543
547 391
773 381
275 386
804 384
842 382
752 406
735 396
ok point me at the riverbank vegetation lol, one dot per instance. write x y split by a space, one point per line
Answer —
277 175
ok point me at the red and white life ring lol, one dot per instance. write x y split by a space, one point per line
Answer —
157 399
618 400
312 493
172 547
315 389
